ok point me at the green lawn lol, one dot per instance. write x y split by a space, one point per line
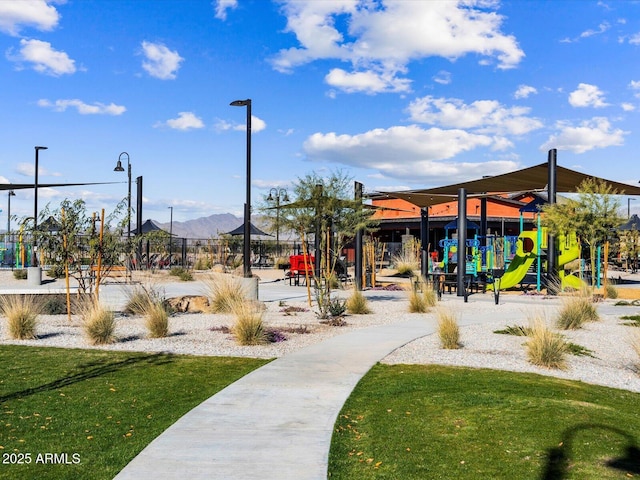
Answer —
86 413
432 422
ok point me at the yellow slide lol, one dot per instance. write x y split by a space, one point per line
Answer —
526 253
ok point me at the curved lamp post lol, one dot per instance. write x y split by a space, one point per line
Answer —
246 251
10 194
279 192
120 168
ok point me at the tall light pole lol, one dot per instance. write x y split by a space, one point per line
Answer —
120 168
629 207
35 207
10 194
285 198
170 236
246 253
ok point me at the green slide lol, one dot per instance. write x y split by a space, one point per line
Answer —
518 268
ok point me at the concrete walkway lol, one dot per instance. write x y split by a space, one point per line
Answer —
276 422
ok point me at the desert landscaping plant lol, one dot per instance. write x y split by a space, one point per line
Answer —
546 348
22 315
575 312
611 291
157 320
448 329
20 274
140 299
98 323
248 327
357 303
224 292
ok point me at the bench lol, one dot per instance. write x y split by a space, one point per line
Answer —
115 271
300 267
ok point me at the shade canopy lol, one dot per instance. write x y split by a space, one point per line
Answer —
529 179
149 226
452 225
23 186
253 230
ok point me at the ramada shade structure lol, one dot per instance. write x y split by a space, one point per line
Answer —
531 179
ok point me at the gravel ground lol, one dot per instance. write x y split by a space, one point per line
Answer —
613 362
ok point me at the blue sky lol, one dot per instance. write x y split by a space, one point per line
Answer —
399 94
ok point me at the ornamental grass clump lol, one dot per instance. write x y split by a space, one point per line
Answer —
448 329
575 312
248 327
22 315
357 304
141 299
224 292
546 348
157 320
98 323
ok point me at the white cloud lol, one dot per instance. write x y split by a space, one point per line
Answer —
15 14
634 39
44 58
257 125
83 108
367 81
590 134
635 86
524 91
222 6
4 180
384 39
185 121
407 152
160 62
443 77
482 116
628 107
29 170
587 96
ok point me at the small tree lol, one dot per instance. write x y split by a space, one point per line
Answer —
325 208
77 244
593 215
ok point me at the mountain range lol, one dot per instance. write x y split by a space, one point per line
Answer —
208 227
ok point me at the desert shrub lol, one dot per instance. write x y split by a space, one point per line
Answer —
546 348
631 320
186 276
357 304
224 291
405 264
56 271
248 327
54 305
448 329
517 330
281 263
611 291
157 320
429 295
337 307
20 274
98 323
202 263
417 303
22 315
141 299
575 312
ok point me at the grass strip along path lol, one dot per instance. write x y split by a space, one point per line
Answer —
433 422
86 413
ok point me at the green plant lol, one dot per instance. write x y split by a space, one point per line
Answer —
517 330
611 291
546 348
20 274
177 271
202 263
186 276
54 305
417 303
633 320
579 350
448 329
98 323
337 307
625 303
357 304
248 327
22 315
56 271
157 320
575 312
224 291
140 299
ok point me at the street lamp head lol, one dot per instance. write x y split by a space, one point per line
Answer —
12 193
270 198
286 197
119 167
241 103
41 148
